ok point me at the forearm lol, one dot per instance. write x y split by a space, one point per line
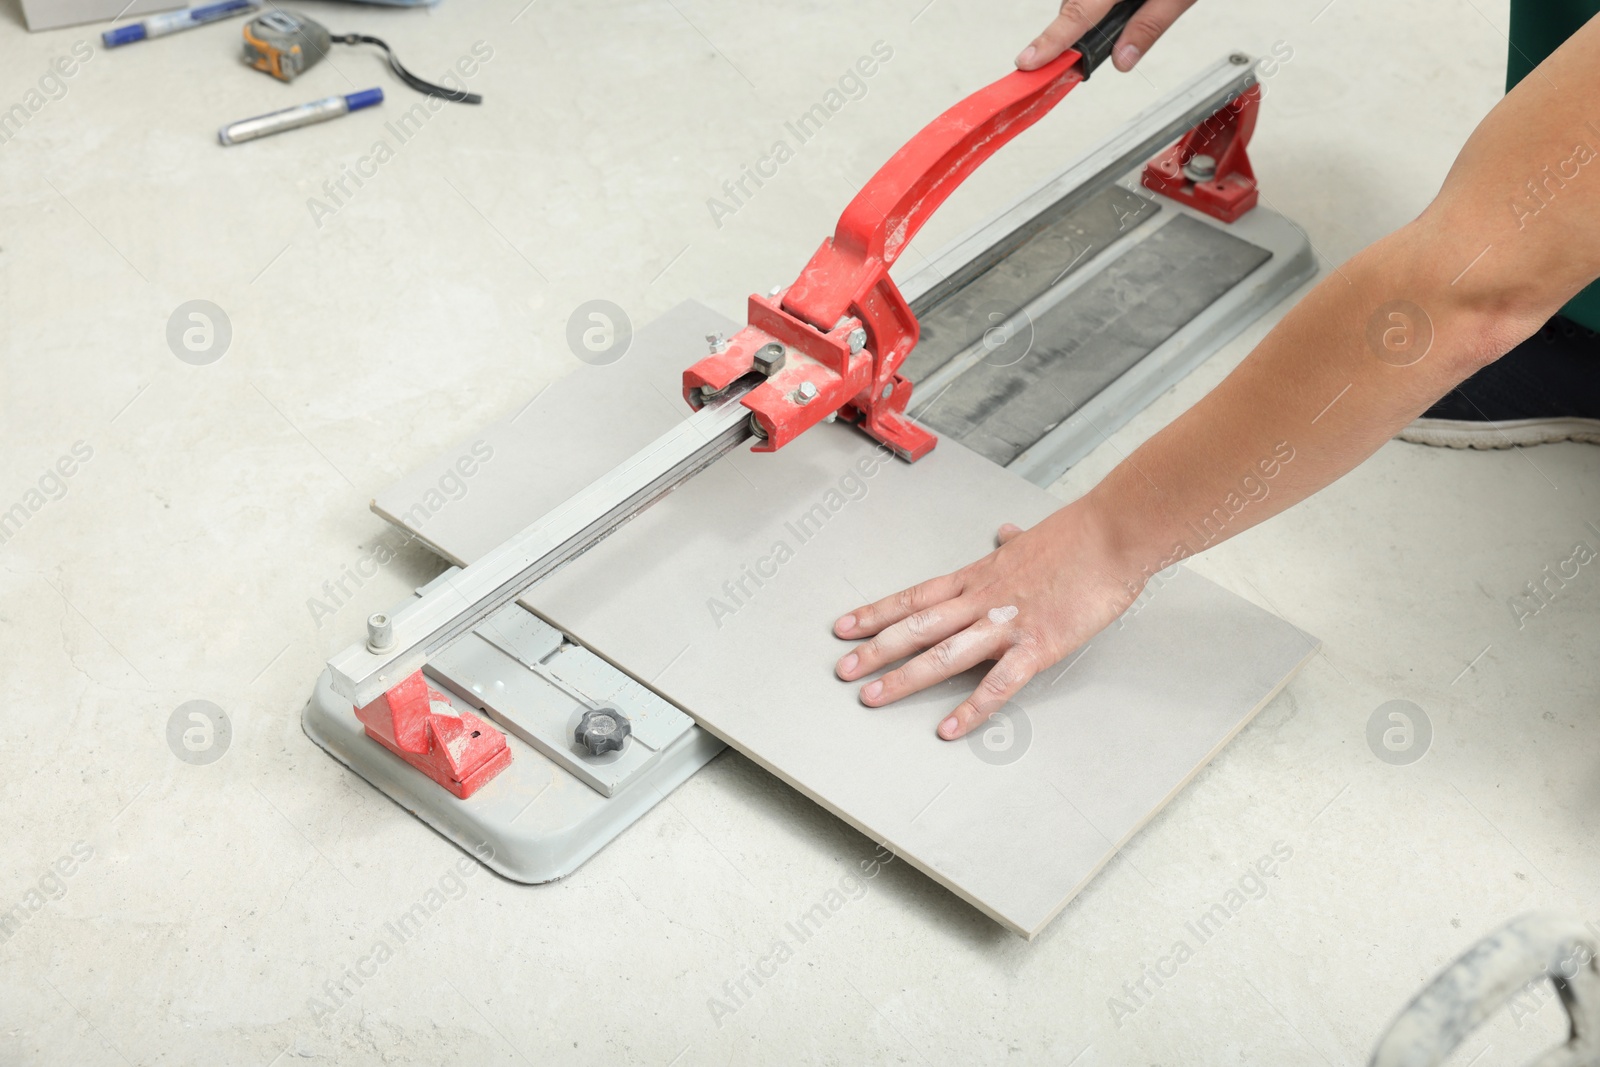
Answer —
1327 387
1504 245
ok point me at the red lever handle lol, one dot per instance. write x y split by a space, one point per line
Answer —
844 325
891 208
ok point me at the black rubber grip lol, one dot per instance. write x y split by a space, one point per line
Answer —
1096 45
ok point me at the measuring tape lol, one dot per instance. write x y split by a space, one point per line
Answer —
285 44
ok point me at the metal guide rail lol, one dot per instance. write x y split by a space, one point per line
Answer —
426 626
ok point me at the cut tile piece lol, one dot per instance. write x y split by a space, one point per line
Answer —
722 597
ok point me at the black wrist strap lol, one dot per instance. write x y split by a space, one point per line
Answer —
460 96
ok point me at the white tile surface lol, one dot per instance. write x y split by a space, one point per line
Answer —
219 899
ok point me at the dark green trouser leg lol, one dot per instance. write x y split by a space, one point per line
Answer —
1538 27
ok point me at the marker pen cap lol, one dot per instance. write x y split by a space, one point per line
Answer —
365 98
123 35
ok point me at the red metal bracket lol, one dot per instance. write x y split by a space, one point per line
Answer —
844 324
455 748
1226 188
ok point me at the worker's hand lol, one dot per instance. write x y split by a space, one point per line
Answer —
1041 594
1077 16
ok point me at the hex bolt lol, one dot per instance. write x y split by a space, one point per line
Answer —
858 340
774 291
805 393
770 358
380 633
1200 168
714 342
1238 59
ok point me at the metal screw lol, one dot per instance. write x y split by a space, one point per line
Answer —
1238 59
770 358
380 633
714 340
1200 168
805 393
888 391
858 340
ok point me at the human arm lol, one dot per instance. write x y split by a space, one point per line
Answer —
1512 235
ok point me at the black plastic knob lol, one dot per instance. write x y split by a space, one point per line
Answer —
602 730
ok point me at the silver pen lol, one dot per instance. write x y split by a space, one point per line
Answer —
299 115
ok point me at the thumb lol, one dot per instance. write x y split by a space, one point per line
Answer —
1006 533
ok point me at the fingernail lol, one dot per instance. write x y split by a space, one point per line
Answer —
948 728
872 691
846 623
1127 56
1027 56
847 665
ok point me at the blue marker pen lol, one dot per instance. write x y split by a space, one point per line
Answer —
300 115
173 21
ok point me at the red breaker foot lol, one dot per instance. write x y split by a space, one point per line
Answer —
453 747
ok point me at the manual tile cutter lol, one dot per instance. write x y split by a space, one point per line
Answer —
836 342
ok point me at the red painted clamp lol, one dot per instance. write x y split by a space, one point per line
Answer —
455 748
1209 168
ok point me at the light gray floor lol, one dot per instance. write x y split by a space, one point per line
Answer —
218 900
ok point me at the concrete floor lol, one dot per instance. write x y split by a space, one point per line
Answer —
211 909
